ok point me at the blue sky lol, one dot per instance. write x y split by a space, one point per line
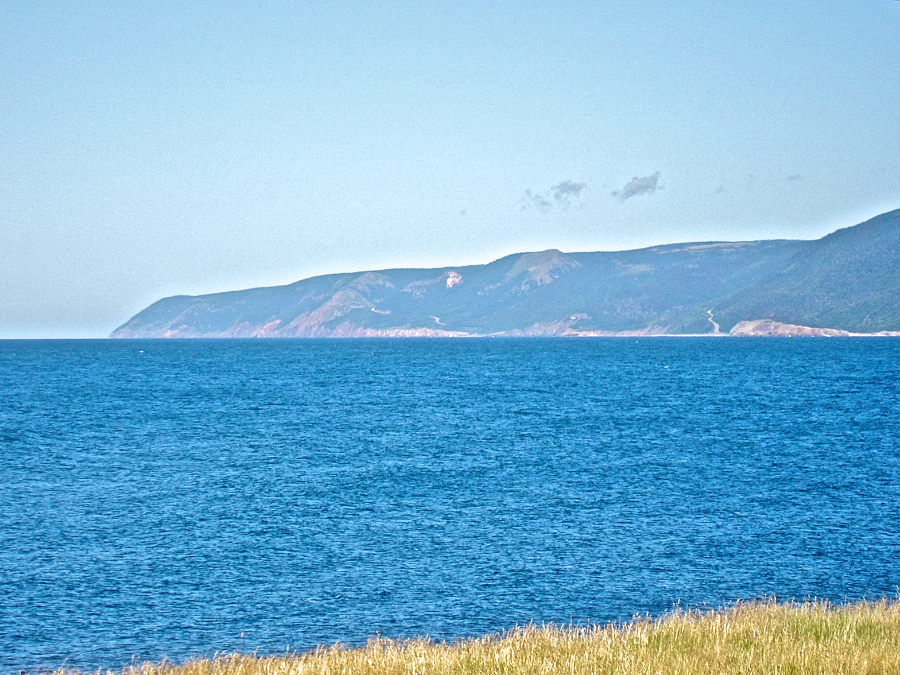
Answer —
157 148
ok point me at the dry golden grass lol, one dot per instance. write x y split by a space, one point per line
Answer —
759 637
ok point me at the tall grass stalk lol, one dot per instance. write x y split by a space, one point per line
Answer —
758 637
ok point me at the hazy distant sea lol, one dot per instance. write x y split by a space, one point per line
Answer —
179 498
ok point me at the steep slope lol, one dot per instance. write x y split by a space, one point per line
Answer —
847 280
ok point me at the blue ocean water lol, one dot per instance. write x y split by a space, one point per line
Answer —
181 498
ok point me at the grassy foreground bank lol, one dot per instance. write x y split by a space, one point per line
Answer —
759 637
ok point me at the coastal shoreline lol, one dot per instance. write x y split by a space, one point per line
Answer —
749 637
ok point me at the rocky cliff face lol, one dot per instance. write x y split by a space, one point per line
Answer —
847 282
767 328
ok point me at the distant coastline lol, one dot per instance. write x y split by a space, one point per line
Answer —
846 284
756 328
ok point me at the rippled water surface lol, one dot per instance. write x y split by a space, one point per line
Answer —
179 498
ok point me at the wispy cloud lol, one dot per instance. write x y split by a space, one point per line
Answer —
561 196
536 201
566 190
637 186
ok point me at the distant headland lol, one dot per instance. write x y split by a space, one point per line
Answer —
846 283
